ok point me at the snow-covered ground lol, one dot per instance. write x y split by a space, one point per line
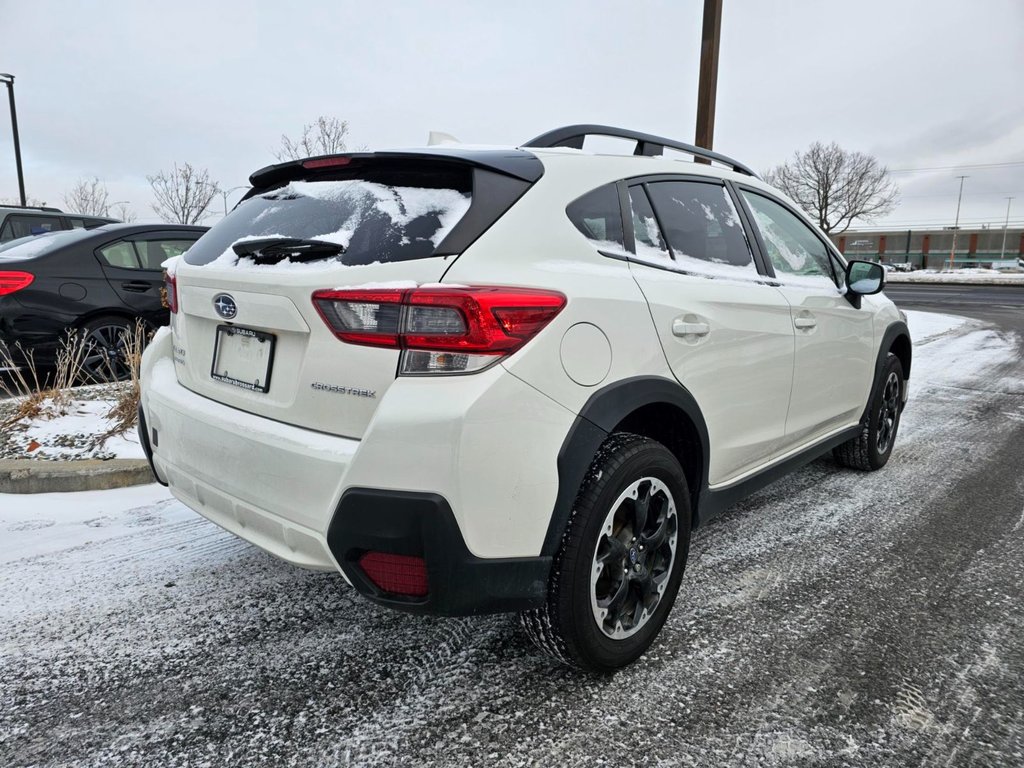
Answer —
835 618
81 428
969 275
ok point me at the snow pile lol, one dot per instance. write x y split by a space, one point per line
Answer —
971 275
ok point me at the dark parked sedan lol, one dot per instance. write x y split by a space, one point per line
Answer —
97 281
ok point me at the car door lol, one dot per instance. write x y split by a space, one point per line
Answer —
834 360
726 332
132 266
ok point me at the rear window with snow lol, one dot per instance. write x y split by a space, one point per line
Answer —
373 220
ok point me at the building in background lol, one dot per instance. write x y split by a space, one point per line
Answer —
929 248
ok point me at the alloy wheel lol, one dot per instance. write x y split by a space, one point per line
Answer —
889 412
105 355
633 558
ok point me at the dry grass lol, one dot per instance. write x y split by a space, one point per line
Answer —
125 412
51 394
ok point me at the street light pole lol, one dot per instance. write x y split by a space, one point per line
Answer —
1002 251
224 196
8 80
956 224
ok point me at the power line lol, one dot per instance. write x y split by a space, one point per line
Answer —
957 167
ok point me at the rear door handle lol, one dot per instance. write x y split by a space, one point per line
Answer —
136 286
681 327
806 321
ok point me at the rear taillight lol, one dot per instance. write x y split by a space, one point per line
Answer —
171 292
14 281
396 574
440 329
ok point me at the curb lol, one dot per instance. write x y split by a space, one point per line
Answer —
40 476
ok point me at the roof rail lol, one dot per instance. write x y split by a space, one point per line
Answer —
31 207
646 144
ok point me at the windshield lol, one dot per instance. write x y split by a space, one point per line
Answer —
372 221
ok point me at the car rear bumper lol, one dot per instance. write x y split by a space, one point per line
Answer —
422 525
454 484
269 483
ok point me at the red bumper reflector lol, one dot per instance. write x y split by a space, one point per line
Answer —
397 574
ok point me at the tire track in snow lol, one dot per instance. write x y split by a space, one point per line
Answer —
813 617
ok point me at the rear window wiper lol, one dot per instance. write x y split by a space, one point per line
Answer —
271 250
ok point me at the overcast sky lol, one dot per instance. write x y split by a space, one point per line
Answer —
120 90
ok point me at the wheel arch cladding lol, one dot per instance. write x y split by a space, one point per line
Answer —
900 346
896 340
651 406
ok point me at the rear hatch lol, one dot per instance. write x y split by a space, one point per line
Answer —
247 332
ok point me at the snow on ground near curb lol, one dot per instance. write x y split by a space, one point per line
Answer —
974 276
44 523
925 325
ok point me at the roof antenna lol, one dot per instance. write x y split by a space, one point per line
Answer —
439 137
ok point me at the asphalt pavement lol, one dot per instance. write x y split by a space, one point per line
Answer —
835 618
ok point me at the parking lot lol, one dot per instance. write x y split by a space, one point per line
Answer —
835 618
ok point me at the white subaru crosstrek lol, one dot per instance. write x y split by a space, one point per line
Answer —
479 380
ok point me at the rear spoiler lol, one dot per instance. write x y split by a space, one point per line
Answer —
509 162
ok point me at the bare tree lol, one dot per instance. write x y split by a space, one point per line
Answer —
835 186
327 136
124 213
183 194
89 196
32 202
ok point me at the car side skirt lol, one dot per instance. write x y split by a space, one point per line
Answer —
717 500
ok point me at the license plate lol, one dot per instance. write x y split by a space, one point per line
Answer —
243 357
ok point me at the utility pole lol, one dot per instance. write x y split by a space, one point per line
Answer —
707 88
8 80
1002 251
956 224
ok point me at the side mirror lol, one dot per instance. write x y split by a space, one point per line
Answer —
864 278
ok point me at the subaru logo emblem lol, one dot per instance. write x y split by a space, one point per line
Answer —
225 306
632 556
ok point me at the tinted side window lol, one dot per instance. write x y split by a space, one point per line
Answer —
23 226
703 228
650 244
798 255
598 216
153 253
120 255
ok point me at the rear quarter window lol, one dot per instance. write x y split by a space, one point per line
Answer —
598 216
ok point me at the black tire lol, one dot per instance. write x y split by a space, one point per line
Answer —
104 358
586 571
871 449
